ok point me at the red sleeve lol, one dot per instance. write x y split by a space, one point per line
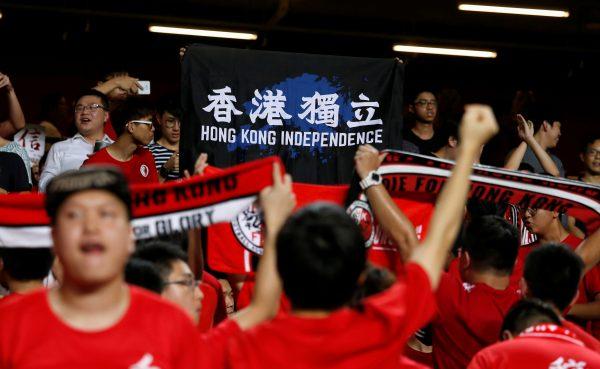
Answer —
209 305
591 282
406 306
214 343
186 347
221 310
482 360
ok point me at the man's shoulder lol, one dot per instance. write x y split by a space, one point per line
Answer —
154 306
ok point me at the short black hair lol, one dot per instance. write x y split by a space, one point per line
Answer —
92 92
588 141
553 272
527 313
170 104
492 243
27 264
416 92
320 256
132 109
145 274
448 129
375 279
71 182
162 254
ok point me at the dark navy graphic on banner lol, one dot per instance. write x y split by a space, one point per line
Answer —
311 110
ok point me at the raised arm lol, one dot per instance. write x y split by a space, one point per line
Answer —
525 129
277 202
16 118
387 213
126 83
477 127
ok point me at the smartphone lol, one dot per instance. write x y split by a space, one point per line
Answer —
145 89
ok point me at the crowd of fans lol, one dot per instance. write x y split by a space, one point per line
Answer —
521 290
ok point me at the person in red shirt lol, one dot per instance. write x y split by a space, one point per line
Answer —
474 297
552 274
321 256
546 225
133 123
93 319
535 338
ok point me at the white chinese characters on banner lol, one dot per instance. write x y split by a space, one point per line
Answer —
317 109
33 139
364 105
222 105
321 109
269 106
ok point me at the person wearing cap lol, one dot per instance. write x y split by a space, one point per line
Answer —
93 319
133 123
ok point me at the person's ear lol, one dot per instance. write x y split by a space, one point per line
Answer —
581 157
555 214
452 142
506 335
546 126
129 128
1 265
106 116
524 287
411 108
465 260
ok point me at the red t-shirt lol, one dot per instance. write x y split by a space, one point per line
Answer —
469 319
347 338
139 169
588 340
535 349
152 332
571 241
209 305
591 283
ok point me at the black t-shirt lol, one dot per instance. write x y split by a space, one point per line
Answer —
13 174
425 146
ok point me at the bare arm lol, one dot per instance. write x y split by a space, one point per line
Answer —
126 83
16 118
515 157
387 213
589 250
477 127
277 202
543 157
588 311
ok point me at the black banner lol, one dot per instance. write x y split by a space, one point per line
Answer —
311 110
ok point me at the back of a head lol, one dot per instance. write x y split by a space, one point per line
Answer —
492 243
320 256
134 108
26 264
552 273
448 129
161 254
374 280
527 313
145 274
86 178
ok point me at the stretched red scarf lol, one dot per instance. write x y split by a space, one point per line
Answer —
158 209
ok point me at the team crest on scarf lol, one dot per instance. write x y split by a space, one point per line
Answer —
361 212
247 227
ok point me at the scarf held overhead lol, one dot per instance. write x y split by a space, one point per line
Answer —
158 209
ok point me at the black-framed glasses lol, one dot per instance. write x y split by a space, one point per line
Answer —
170 123
93 108
189 283
593 152
423 102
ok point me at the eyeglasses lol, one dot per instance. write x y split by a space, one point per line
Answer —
145 122
593 152
189 283
172 123
422 102
93 108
